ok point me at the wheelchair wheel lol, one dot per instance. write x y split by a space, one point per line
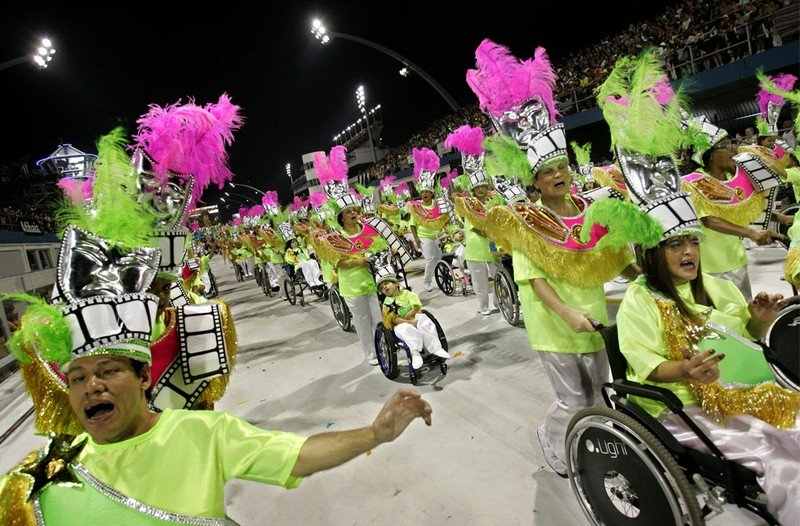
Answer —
214 292
340 311
386 351
623 475
445 279
266 287
505 292
257 274
289 292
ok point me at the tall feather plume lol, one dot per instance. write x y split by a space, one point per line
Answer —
270 198
402 188
386 181
333 167
626 223
298 203
256 211
630 98
424 159
792 96
190 140
780 83
583 154
243 210
467 140
447 180
318 199
44 329
507 159
364 190
78 191
501 81
114 212
462 182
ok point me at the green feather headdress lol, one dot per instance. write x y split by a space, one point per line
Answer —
626 224
44 329
506 158
364 190
113 212
582 153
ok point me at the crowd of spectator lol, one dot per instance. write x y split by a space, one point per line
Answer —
28 219
689 36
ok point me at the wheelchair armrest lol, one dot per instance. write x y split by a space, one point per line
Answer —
652 392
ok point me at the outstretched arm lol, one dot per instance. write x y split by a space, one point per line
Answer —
328 450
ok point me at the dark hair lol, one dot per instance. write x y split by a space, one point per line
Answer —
656 272
138 370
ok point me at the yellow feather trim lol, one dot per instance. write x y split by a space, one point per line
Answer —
466 208
217 386
52 410
15 510
611 178
768 402
741 214
388 211
792 267
584 268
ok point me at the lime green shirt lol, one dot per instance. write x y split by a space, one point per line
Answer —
405 301
423 231
793 176
641 337
546 330
476 244
275 257
720 252
181 465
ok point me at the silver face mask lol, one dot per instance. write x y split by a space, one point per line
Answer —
649 178
336 189
524 122
169 201
90 266
773 113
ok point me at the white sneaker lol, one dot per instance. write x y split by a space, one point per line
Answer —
416 360
428 287
373 361
441 353
484 312
555 463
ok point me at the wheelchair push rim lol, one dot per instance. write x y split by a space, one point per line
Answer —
506 294
445 278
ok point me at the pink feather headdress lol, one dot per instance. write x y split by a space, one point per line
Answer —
270 198
467 140
193 226
447 180
424 159
402 188
77 190
784 82
256 211
318 199
187 139
502 81
297 204
332 168
236 221
386 182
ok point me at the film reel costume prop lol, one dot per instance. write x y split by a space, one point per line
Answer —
428 220
479 255
340 248
518 95
740 419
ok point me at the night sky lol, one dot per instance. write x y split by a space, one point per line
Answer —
296 94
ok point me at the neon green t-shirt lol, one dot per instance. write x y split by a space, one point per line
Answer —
546 330
641 337
423 231
405 302
181 465
477 245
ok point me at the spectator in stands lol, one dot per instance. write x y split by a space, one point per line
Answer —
12 316
788 134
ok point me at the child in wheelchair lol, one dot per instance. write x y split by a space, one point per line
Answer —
402 312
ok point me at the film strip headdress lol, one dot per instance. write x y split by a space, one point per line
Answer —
426 164
469 141
770 103
332 173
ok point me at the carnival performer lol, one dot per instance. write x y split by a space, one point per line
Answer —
666 312
560 277
479 256
428 218
402 313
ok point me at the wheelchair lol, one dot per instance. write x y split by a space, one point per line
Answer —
341 312
294 284
451 278
387 346
213 291
505 291
625 468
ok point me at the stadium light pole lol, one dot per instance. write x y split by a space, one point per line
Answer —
361 99
42 57
228 194
234 185
325 35
232 200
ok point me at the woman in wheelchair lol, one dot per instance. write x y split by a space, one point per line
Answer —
299 258
401 312
662 322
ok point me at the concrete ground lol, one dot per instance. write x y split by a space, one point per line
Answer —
480 462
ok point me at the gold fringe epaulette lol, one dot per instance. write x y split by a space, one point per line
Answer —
741 214
767 401
388 211
472 210
325 250
581 268
611 178
15 509
772 163
216 386
792 267
52 410
435 224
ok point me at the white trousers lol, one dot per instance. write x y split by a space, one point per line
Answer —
432 254
774 454
247 266
576 380
424 335
480 271
366 314
276 274
740 278
311 272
